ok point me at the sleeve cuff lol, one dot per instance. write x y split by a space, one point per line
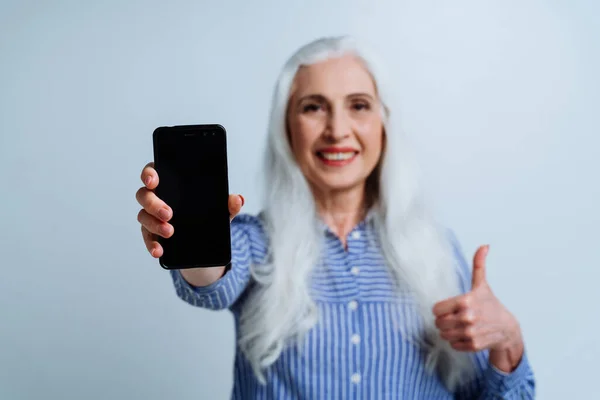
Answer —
502 382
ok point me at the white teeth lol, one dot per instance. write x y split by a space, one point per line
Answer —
337 156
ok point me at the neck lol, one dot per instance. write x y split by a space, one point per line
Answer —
341 210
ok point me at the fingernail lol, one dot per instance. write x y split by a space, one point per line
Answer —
165 229
152 252
163 214
243 201
148 180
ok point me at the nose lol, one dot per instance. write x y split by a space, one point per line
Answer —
338 126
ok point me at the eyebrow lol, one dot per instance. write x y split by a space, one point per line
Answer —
320 97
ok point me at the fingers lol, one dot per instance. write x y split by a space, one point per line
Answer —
460 330
150 176
155 212
235 203
475 343
457 325
154 225
448 322
154 248
451 305
153 205
148 199
465 332
457 321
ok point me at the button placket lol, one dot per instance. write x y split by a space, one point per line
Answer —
354 340
353 305
355 311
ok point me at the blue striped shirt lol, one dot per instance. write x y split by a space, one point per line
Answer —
355 351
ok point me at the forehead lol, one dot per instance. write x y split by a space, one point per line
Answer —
334 77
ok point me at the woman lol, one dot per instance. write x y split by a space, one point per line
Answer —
345 286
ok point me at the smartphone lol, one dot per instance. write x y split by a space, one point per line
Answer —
191 162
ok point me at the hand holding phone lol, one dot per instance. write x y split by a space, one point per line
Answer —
153 225
186 205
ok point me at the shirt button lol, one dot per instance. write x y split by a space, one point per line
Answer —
356 235
355 270
355 378
353 305
355 339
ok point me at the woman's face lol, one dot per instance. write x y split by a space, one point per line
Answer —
334 122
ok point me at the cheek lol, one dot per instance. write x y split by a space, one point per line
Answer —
372 139
305 133
377 143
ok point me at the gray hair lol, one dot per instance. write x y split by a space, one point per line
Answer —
416 249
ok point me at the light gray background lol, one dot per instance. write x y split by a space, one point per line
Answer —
501 99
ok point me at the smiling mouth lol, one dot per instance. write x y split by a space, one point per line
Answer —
337 158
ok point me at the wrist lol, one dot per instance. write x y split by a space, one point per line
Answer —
507 354
200 277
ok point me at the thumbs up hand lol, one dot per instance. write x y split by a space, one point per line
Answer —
477 320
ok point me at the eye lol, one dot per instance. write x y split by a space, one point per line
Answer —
361 106
311 107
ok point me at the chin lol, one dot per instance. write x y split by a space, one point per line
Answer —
340 183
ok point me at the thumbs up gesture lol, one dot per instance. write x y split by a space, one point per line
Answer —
477 320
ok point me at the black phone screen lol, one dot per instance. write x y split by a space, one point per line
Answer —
191 162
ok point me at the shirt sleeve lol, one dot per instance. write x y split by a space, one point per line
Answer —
223 293
490 382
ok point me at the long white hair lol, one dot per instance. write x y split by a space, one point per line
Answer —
280 309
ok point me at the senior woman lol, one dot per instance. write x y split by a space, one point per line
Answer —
345 286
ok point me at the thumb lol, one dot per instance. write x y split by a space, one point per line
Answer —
236 202
479 265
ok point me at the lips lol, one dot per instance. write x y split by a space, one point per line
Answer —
337 156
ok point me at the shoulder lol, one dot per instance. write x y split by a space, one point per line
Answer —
248 222
449 237
248 231
452 238
252 226
461 263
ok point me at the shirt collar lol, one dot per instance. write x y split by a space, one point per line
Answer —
366 222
